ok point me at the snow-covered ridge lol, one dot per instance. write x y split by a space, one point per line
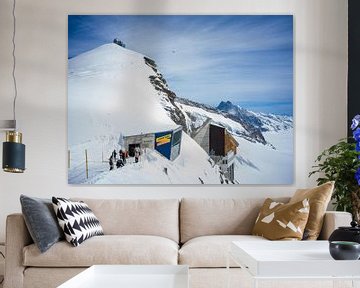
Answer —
167 97
109 92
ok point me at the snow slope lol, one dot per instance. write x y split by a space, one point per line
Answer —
109 91
256 163
109 94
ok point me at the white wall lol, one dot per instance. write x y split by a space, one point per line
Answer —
320 90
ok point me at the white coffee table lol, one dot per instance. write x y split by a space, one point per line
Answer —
297 260
131 276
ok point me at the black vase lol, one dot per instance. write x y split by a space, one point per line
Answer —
343 250
351 234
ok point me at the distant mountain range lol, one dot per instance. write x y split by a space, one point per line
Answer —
248 124
264 121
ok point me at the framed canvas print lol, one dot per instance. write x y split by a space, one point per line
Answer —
156 99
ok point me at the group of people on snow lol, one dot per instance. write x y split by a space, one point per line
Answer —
118 161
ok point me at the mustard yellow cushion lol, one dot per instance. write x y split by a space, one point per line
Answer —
319 198
279 221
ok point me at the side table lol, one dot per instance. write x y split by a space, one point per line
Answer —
294 263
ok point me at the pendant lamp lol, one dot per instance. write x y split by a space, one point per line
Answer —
13 159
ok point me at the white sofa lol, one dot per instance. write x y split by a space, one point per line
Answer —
194 232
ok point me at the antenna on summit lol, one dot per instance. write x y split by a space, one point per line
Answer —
119 42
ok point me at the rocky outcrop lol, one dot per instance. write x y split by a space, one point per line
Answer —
168 96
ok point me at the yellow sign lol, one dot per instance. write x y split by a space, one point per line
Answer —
163 139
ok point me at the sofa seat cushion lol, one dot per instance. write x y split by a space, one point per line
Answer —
107 249
211 251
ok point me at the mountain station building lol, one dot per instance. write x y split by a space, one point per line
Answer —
167 143
220 145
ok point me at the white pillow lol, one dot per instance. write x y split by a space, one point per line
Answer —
76 220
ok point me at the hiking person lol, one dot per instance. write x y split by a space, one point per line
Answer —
111 163
137 154
114 154
119 163
122 155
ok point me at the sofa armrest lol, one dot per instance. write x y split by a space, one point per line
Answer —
17 237
333 220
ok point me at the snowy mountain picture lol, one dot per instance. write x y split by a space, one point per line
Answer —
180 99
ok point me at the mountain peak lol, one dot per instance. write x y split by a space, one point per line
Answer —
225 106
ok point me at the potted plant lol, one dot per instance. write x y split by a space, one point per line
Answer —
341 163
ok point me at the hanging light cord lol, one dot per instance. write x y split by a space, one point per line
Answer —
14 61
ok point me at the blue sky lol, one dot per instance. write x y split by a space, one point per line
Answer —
245 59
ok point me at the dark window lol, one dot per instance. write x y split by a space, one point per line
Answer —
217 140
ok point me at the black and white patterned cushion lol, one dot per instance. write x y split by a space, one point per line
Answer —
77 220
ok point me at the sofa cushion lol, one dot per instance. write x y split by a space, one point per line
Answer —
158 217
201 217
319 198
41 221
76 220
211 251
279 221
107 249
